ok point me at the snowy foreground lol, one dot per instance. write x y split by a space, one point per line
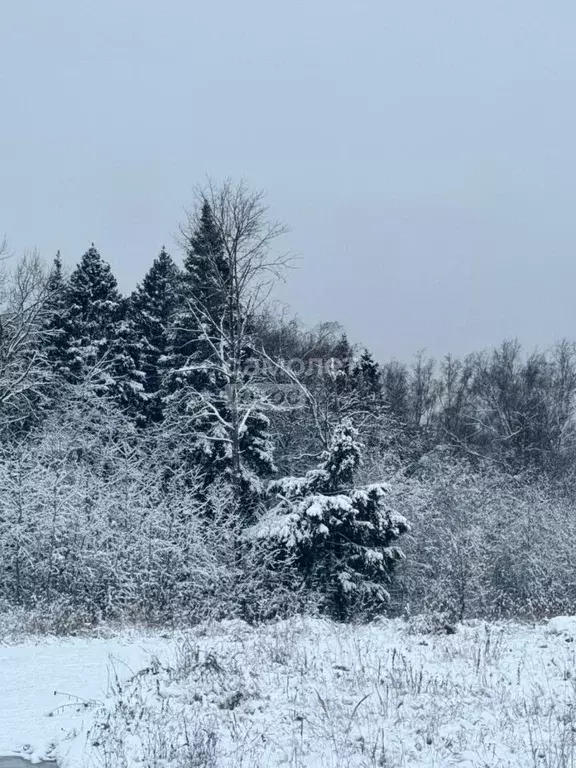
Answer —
296 693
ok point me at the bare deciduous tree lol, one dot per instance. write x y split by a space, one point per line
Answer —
24 314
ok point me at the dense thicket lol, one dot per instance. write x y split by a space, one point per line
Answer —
189 451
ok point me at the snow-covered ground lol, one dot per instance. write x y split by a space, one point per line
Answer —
49 689
297 693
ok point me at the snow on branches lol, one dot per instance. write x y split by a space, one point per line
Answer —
343 539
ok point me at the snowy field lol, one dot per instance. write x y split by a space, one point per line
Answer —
296 693
49 689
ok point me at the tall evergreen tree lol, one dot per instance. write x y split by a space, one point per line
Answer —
212 393
127 380
207 267
203 305
367 403
367 378
100 343
94 307
151 309
56 347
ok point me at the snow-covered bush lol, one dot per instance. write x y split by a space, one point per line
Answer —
484 543
92 526
342 539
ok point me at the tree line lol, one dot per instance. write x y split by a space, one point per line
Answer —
189 449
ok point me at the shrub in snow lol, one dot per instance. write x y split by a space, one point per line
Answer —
341 538
485 545
92 526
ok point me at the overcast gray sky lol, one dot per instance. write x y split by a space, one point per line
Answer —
422 152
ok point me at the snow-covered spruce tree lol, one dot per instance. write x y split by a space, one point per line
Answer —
215 395
367 380
100 342
151 308
126 382
206 266
342 539
94 307
200 289
55 347
201 295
